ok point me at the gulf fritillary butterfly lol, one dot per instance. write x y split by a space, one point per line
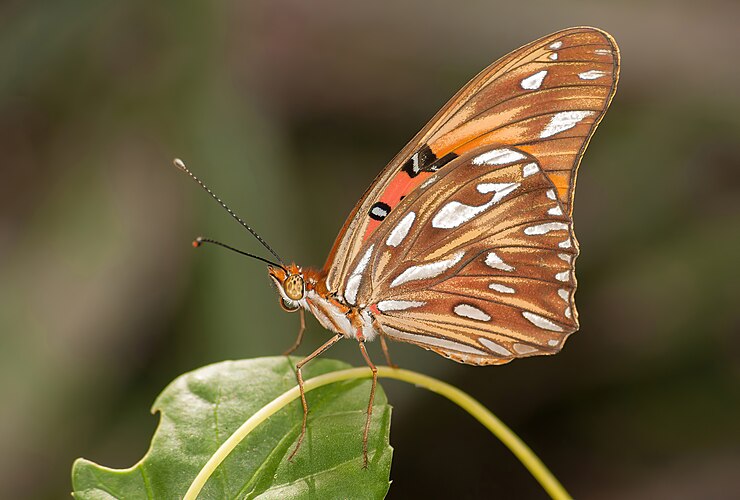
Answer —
464 243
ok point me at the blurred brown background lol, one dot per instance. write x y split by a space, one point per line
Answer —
288 109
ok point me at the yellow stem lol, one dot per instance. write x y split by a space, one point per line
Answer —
533 464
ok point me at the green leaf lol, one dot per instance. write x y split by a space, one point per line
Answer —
200 409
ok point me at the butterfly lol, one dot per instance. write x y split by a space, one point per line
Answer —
464 243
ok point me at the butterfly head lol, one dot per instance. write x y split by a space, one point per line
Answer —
291 285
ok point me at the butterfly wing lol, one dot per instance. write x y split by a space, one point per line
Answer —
477 264
545 98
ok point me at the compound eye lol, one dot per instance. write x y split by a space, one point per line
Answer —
294 287
288 307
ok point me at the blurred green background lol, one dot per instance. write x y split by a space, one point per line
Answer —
288 109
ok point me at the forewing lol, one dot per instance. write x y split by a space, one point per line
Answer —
477 265
545 98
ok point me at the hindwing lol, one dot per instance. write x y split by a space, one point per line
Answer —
478 265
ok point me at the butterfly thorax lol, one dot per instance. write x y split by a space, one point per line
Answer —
307 289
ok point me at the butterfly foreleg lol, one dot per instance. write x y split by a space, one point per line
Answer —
384 346
369 403
299 377
301 329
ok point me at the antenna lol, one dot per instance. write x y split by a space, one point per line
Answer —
181 166
200 240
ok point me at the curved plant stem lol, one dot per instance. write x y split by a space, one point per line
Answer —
491 422
533 464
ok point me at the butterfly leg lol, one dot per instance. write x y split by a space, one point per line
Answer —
369 404
299 377
387 355
301 329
